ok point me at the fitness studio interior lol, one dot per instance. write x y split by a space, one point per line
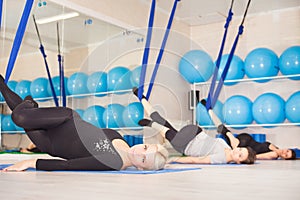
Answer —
219 71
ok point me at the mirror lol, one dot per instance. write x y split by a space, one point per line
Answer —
77 34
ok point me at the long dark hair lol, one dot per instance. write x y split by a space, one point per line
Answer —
251 156
293 157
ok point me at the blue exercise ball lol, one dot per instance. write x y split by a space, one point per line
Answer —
292 108
289 62
80 112
94 115
12 85
23 88
38 88
118 78
135 76
113 116
196 66
7 123
235 71
132 114
237 110
17 128
202 116
261 62
77 83
56 86
97 83
268 108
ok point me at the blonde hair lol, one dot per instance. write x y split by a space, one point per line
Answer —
160 158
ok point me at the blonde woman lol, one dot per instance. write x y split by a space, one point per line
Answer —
79 145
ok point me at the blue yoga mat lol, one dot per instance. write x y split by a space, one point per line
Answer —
127 171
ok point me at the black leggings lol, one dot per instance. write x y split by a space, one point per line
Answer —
178 139
34 120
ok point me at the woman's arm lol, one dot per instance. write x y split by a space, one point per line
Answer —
86 163
272 155
21 166
190 160
273 147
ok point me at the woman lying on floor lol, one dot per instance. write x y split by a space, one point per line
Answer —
264 150
60 132
193 142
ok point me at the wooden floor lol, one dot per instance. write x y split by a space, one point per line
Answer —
264 180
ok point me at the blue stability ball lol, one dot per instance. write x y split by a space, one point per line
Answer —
268 108
202 116
7 123
80 112
261 62
112 116
235 71
289 61
135 76
56 86
97 83
38 88
77 83
12 85
292 108
94 115
132 114
18 128
118 78
196 66
237 110
23 88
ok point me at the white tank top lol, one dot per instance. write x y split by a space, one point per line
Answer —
204 145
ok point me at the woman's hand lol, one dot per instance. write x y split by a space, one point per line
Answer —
173 159
21 166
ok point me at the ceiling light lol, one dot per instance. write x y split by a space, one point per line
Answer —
57 18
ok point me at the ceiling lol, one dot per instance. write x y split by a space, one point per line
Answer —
77 32
199 12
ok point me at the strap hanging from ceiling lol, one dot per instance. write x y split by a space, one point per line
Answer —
42 50
147 49
18 39
1 7
162 48
61 69
213 95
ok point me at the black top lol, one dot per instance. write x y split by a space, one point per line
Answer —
247 140
84 146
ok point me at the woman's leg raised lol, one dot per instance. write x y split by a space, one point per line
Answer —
29 117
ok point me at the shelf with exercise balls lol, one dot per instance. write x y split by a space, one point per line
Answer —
261 66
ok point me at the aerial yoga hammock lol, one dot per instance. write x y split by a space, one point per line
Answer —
18 39
147 49
42 50
213 95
